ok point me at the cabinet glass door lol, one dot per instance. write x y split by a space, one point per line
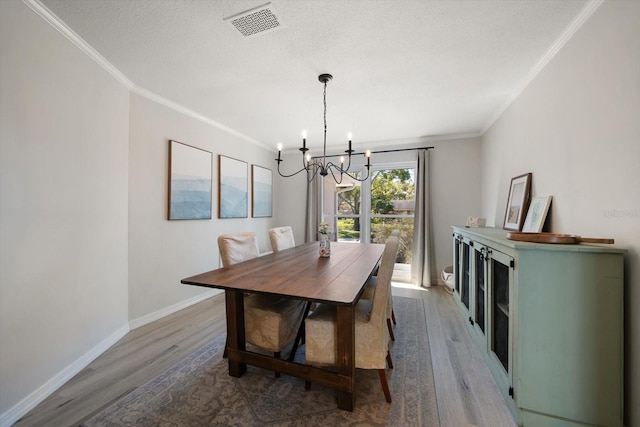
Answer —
456 263
479 287
466 273
501 276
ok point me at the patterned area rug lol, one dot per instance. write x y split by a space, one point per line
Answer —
198 391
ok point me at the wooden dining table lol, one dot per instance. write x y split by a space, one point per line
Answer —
302 274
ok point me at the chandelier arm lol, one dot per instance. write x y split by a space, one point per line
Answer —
356 178
348 164
333 174
290 175
311 166
313 174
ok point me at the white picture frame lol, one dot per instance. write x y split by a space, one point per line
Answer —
537 214
261 192
232 188
189 182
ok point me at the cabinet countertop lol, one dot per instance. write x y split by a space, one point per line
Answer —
499 235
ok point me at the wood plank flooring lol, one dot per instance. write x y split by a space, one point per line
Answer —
466 394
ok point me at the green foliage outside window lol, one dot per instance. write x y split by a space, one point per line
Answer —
387 186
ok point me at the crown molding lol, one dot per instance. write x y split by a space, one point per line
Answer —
42 11
53 20
188 112
566 35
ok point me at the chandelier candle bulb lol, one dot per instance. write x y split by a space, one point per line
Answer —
279 152
341 162
368 157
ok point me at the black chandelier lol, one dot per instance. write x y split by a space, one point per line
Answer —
320 164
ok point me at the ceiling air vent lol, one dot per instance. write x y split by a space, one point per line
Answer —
259 20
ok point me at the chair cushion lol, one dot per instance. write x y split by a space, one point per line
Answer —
371 343
272 322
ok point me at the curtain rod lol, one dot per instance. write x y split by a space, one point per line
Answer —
377 152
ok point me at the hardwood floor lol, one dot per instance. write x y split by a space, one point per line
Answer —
465 392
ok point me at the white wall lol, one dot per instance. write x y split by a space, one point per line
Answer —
161 252
455 185
63 207
576 127
291 196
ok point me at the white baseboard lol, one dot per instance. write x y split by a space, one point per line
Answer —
148 318
32 400
41 393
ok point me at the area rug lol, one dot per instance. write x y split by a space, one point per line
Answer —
198 391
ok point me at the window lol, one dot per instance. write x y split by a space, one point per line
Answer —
368 211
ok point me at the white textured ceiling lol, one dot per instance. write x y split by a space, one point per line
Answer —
402 69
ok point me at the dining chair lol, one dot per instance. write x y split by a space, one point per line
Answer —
367 294
371 339
281 238
271 323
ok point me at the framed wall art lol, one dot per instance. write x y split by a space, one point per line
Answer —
261 192
232 188
190 185
536 214
518 202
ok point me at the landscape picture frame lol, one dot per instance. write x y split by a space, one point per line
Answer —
233 181
517 202
261 192
536 214
190 182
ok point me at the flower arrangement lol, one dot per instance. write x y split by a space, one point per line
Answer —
323 228
323 237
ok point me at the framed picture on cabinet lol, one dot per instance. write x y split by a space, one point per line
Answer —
518 202
261 192
232 188
536 214
189 182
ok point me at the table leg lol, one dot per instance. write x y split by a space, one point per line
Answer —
300 333
235 330
346 354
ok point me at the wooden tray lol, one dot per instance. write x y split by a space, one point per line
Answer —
565 239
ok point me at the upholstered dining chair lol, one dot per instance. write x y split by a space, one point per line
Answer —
281 238
271 323
367 294
372 341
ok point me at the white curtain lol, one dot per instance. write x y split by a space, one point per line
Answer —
422 268
313 214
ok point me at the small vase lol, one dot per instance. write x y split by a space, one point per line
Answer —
325 246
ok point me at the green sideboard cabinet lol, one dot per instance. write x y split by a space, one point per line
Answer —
548 320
